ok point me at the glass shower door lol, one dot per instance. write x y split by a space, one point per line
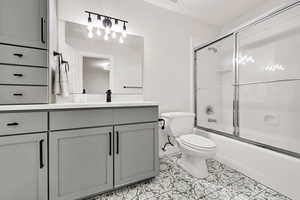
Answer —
214 85
269 81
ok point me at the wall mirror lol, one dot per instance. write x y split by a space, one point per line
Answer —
103 64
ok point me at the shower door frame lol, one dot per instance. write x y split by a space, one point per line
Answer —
236 125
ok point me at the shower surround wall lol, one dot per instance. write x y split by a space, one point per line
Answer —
268 93
215 89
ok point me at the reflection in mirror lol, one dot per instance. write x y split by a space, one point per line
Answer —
123 73
96 74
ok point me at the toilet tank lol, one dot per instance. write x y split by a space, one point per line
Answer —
179 123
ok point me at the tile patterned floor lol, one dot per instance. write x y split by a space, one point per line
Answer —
223 183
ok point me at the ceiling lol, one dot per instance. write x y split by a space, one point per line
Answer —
216 12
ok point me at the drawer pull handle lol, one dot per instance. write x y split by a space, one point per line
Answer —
18 75
13 124
18 94
42 30
110 146
118 142
18 55
41 155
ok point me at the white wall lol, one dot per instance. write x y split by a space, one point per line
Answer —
53 40
168 45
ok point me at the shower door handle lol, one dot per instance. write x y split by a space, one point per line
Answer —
237 114
233 114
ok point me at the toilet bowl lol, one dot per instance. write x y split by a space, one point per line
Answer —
195 149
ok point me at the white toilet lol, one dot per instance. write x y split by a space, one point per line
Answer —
195 149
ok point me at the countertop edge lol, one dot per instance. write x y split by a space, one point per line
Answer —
70 106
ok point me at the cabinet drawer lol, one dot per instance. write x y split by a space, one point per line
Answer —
23 75
23 56
80 118
135 115
23 94
16 123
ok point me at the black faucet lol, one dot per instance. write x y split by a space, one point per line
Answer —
108 96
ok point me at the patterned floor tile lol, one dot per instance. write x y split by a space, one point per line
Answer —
173 195
223 183
243 189
269 194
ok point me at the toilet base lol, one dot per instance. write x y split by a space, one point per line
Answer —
195 166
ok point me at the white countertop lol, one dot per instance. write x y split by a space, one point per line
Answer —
59 106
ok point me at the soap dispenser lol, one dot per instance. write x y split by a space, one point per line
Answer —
84 96
108 95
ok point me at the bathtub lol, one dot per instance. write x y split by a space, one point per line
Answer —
278 171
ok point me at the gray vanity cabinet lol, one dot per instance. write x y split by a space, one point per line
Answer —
96 150
23 168
23 52
24 23
81 162
136 153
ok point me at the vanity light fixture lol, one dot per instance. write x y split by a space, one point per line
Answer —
121 40
98 25
107 24
113 35
124 32
98 32
90 34
106 36
90 23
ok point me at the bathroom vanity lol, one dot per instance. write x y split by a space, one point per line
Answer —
76 150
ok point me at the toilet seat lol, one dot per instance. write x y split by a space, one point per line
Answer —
197 142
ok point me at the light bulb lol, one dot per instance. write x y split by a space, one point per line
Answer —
106 37
98 21
90 34
121 40
98 31
124 34
113 35
90 27
107 30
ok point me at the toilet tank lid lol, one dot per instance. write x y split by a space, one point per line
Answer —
177 114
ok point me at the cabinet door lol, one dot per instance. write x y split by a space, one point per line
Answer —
136 153
23 22
23 168
81 162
